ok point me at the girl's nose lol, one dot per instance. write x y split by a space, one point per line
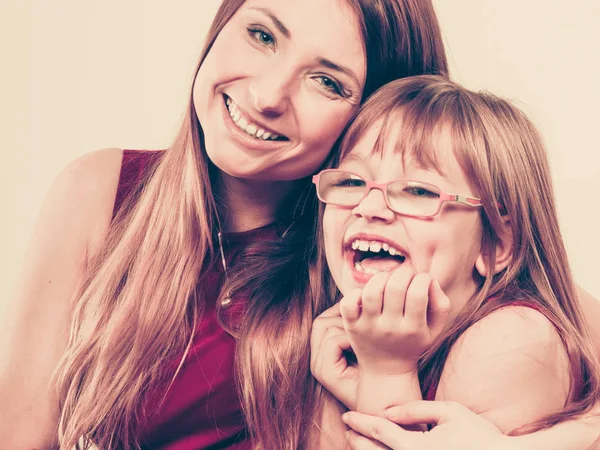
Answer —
373 207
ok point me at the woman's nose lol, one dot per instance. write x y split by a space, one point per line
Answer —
270 93
373 207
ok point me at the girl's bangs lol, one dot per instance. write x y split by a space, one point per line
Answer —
415 128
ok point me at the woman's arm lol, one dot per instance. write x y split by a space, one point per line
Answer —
511 367
458 428
72 223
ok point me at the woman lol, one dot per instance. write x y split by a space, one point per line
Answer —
123 310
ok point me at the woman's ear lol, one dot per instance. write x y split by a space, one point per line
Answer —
504 252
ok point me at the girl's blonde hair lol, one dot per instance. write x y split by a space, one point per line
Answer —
138 306
503 157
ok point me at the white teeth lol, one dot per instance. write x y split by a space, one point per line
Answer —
243 123
367 270
375 247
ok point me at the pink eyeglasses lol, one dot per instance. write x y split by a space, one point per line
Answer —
406 197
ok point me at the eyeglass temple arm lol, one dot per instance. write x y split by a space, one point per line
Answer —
465 200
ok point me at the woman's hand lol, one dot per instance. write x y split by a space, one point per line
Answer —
457 428
393 320
328 363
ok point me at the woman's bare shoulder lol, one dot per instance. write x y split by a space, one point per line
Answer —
85 192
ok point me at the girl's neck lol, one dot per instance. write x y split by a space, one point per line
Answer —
249 204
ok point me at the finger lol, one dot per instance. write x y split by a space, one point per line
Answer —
417 299
318 345
334 344
421 412
331 312
378 428
359 442
351 306
395 290
372 294
438 309
320 327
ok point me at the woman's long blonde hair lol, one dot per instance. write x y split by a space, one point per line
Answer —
138 306
503 157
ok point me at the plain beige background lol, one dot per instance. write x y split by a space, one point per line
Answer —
78 75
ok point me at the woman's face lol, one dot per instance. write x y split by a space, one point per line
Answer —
358 239
278 87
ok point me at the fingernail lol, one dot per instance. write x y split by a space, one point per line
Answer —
345 417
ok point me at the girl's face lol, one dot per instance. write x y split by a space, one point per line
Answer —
278 86
446 246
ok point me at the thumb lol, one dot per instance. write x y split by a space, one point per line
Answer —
420 412
438 308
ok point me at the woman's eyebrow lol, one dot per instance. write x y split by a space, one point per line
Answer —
278 23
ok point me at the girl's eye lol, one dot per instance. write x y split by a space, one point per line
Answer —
419 191
329 84
261 36
350 182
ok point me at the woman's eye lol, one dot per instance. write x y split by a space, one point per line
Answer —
329 84
261 36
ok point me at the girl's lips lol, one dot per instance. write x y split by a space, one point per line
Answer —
244 139
363 273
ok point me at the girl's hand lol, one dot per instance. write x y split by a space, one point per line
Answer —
393 320
457 428
328 363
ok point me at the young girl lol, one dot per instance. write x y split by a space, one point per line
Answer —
119 296
440 232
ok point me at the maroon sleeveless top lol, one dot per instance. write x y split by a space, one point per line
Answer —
201 410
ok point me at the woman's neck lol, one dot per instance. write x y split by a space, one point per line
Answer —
249 204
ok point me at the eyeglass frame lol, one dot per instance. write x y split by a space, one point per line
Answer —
443 196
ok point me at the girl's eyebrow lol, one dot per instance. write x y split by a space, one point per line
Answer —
278 23
352 157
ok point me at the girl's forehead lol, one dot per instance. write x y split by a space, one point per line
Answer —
390 138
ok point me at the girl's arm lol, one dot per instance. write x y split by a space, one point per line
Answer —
511 367
73 220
